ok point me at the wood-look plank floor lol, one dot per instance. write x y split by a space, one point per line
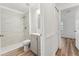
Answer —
19 52
28 53
68 48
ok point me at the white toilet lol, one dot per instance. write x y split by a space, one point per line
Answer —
26 44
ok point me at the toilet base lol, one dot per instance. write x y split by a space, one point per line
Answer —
26 48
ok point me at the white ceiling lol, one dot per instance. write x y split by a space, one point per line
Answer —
23 7
17 6
66 5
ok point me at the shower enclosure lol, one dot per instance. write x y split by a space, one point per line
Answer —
11 29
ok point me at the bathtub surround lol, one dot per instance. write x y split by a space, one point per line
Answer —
12 26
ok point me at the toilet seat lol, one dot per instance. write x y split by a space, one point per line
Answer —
26 42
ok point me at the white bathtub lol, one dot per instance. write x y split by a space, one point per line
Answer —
10 48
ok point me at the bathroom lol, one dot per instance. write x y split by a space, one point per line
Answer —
25 27
14 25
38 29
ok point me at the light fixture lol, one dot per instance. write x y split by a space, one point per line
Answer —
38 11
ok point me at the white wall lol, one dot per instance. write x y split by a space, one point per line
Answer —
34 18
33 21
68 18
49 32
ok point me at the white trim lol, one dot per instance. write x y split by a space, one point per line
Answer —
17 11
59 29
70 7
42 38
30 21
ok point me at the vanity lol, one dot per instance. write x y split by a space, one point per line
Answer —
35 43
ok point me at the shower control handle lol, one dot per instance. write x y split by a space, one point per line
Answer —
1 35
